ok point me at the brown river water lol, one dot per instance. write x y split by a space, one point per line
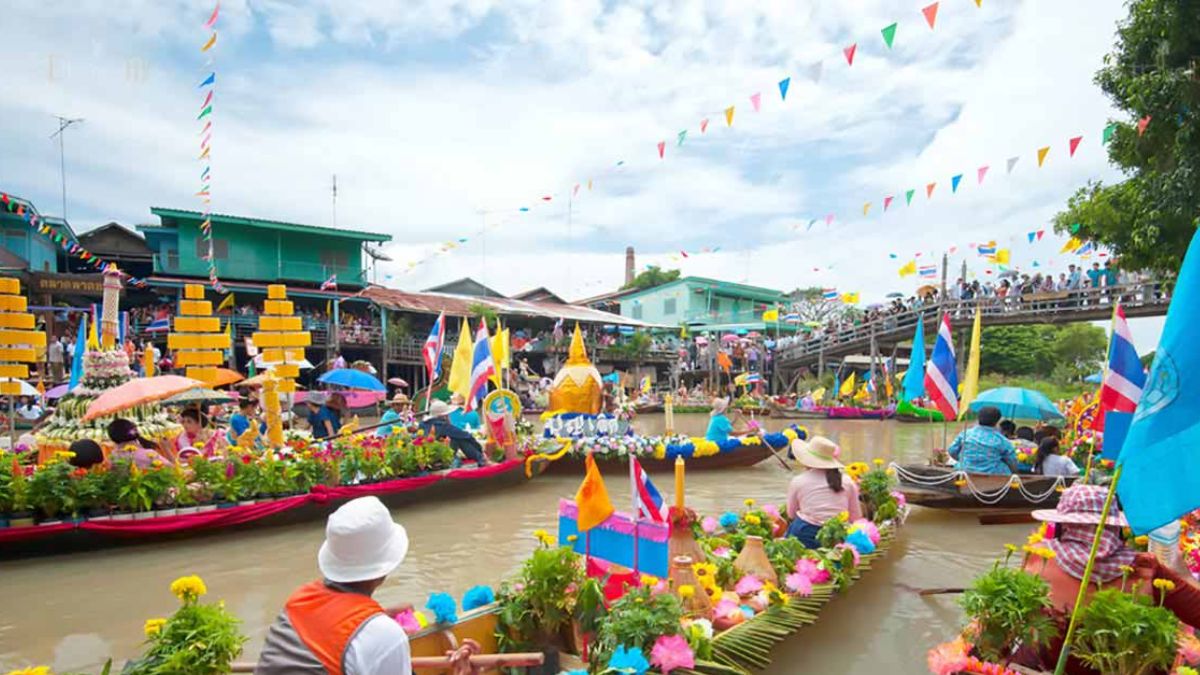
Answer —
74 611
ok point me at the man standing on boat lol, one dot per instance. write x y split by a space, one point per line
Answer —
333 625
982 448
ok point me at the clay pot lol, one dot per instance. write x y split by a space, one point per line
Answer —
698 605
753 560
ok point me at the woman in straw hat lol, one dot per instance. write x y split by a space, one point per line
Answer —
399 416
1075 520
821 492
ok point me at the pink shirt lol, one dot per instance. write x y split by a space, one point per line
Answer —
810 498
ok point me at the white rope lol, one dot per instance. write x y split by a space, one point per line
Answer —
988 498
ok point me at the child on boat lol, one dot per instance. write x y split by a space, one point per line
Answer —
1050 463
821 493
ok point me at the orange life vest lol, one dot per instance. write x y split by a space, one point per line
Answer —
325 619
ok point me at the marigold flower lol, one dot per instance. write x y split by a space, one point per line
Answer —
1142 540
1011 548
686 591
749 503
188 588
153 627
878 461
961 482
1165 585
753 519
32 670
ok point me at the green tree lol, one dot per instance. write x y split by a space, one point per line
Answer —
1153 72
810 304
1079 350
1016 350
652 276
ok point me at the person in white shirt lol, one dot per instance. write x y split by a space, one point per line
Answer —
1050 463
29 410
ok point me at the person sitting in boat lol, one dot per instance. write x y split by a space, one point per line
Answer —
983 449
333 625
325 414
466 420
720 428
197 437
821 492
437 423
241 420
85 453
130 445
1050 463
1075 519
399 416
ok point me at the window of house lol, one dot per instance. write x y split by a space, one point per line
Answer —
220 249
669 306
637 311
172 259
716 305
333 259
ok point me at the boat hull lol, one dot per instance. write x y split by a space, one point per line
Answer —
748 455
850 413
915 481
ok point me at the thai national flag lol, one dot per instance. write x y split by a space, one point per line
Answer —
941 372
432 350
830 294
1125 379
482 366
928 271
650 505
160 324
329 284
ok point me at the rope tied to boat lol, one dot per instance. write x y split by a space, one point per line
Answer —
963 479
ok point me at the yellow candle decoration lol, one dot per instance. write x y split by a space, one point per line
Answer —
272 410
679 482
282 342
198 341
18 342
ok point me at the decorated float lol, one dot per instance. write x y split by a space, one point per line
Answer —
907 412
577 422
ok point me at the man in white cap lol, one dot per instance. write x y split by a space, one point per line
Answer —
437 423
332 625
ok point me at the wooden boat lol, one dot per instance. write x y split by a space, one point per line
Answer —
947 488
907 412
649 408
747 455
852 413
791 413
92 533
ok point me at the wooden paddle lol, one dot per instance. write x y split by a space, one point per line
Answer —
775 454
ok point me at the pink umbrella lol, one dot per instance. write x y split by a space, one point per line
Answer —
397 382
58 392
729 337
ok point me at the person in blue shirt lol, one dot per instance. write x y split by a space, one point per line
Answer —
720 427
437 424
400 413
240 421
982 448
460 418
325 415
1094 275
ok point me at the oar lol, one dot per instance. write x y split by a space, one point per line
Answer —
939 591
485 661
775 454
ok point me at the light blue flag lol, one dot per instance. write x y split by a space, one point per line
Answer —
914 379
1160 474
77 359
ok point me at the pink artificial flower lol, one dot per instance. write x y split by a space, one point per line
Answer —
747 585
1049 530
671 652
809 568
518 587
1189 646
408 621
709 525
853 550
948 658
771 510
722 552
726 608
661 587
799 583
901 500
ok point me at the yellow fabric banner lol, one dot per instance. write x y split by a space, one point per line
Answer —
970 386
592 498
459 381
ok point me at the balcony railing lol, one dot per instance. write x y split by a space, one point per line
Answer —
266 270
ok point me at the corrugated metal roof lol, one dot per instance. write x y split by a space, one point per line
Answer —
219 218
458 305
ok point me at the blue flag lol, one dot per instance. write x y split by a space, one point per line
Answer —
77 359
1160 459
914 379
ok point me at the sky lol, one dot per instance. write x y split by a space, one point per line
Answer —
471 122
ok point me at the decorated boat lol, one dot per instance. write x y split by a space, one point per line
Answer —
948 488
907 412
853 413
794 413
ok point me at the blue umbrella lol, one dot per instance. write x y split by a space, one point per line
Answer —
1018 403
352 379
1094 378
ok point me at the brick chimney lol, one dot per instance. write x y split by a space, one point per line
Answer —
629 266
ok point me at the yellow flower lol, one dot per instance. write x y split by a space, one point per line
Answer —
1011 548
686 591
1060 488
704 570
572 538
890 471
878 461
961 482
753 519
188 588
1143 540
543 537
648 580
1035 538
1164 585
153 627
749 503
1046 553
32 670
1186 670
844 516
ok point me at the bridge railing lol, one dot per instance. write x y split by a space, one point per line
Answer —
1046 306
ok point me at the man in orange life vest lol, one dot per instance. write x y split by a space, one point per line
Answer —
332 625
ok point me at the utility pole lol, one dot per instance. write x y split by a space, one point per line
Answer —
335 200
63 124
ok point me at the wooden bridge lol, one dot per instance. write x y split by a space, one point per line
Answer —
886 333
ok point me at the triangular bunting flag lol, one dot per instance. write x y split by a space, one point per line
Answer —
1142 124
866 207
1012 161
889 34
829 219
783 87
849 52
662 148
1032 236
1042 152
979 3
1108 133
930 13
929 190
211 41
810 224
205 113
682 135
954 181
908 197
212 78
703 125
887 201
729 116
981 172
1074 143
814 71
756 101
1040 233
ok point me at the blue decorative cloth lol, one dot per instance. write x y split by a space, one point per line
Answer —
443 607
628 660
477 597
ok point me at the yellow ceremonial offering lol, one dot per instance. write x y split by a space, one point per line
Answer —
198 341
281 339
577 385
18 340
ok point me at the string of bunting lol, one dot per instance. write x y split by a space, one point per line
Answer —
208 87
815 72
64 240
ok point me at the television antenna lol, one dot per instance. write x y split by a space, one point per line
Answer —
63 124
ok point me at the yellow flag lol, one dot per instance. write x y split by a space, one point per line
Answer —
909 269
729 116
819 395
93 342
862 393
847 387
148 362
771 316
970 386
227 303
592 498
1003 256
499 355
850 298
1072 244
1042 152
460 368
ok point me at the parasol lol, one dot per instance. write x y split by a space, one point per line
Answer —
352 379
58 392
729 337
1018 403
754 334
26 388
225 377
926 289
138 391
397 382
201 396
260 362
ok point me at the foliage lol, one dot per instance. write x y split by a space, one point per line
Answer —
834 531
483 311
52 489
637 620
199 638
1055 391
1009 606
539 604
1037 349
589 606
6 485
636 348
650 277
783 554
875 488
1153 71
399 328
1125 634
143 488
810 304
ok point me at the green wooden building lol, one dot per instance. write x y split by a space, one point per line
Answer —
258 250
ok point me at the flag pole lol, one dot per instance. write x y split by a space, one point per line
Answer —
633 495
1060 668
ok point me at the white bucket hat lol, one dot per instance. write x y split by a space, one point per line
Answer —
440 409
362 542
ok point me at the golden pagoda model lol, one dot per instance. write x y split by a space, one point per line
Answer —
19 342
198 342
282 341
577 386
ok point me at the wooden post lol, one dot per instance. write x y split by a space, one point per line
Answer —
945 265
384 342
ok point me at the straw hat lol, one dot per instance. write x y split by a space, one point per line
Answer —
440 409
1081 505
362 542
719 406
400 399
819 453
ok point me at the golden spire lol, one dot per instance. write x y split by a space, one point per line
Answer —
577 354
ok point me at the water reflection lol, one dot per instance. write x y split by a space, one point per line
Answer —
73 612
